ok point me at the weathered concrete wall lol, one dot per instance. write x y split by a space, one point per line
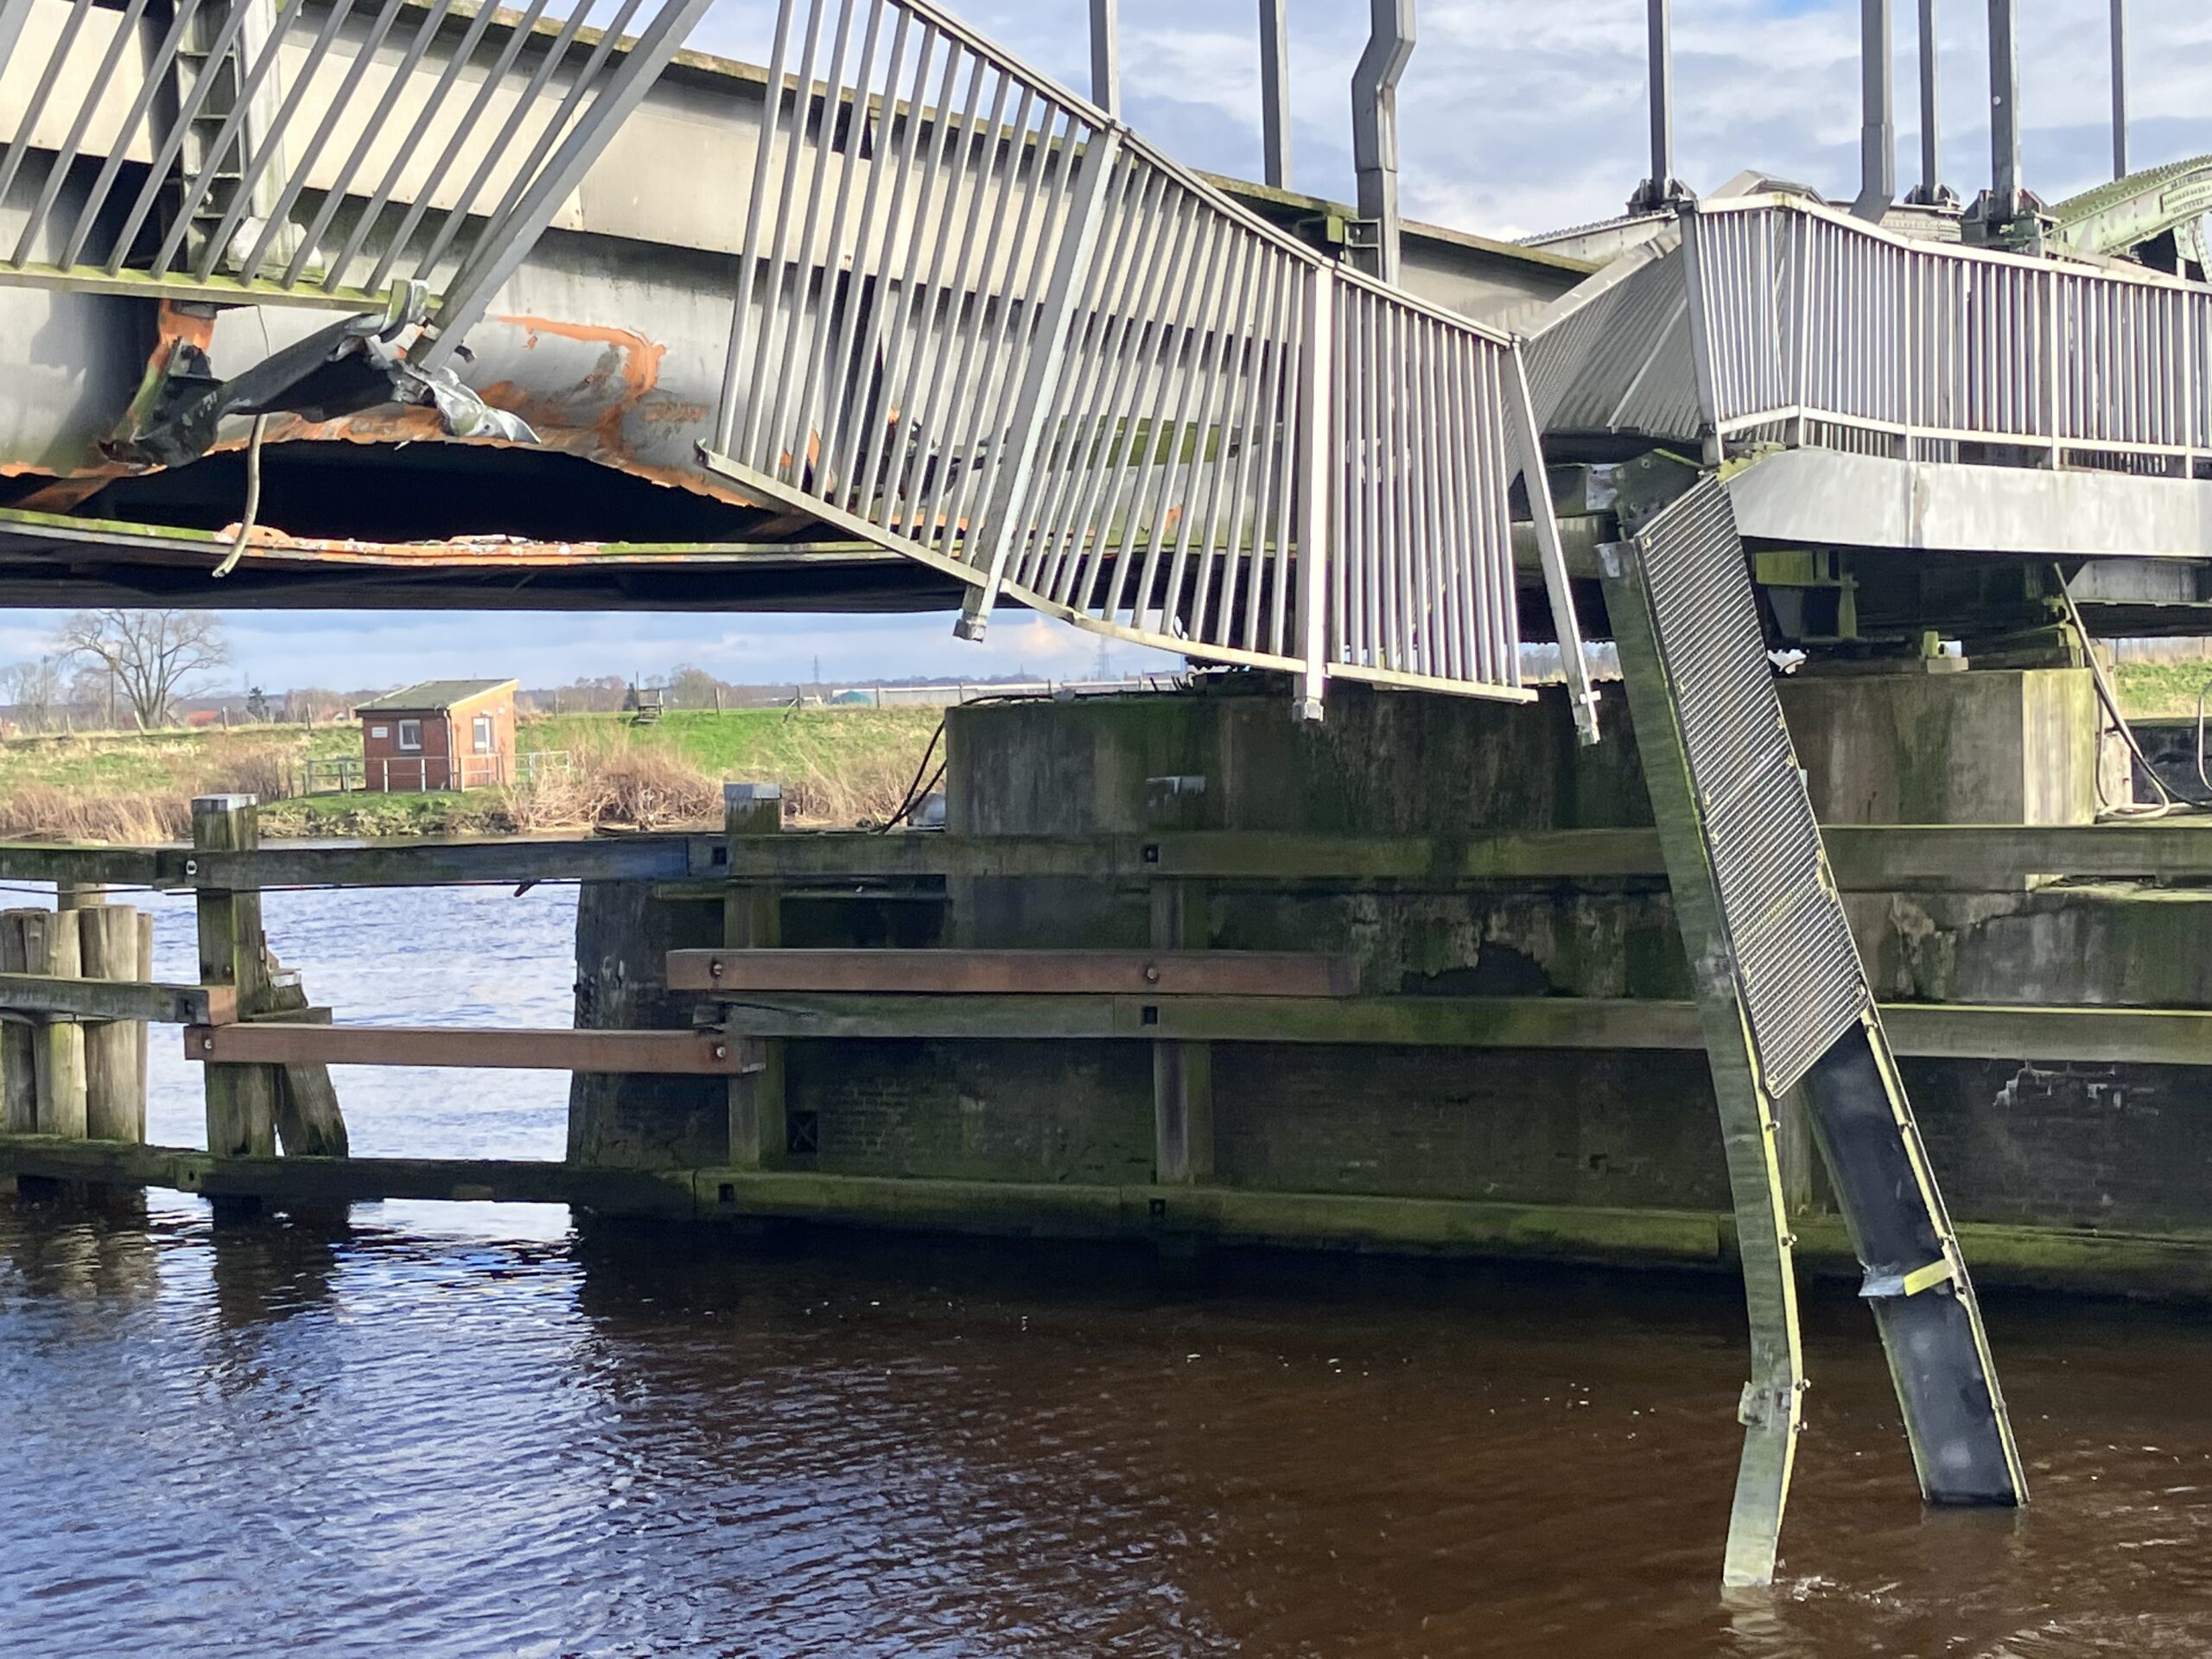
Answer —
1027 1111
2125 1148
1998 745
623 938
1531 1126
2015 1143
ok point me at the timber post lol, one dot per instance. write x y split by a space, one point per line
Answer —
241 1099
309 1121
51 947
18 1039
752 919
109 941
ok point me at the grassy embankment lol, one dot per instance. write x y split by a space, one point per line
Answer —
838 766
2149 690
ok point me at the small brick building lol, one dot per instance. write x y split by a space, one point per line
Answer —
440 734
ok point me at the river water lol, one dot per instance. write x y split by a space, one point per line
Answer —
467 1431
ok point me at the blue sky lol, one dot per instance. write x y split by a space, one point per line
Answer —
1516 116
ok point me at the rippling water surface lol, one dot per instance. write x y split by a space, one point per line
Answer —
468 1431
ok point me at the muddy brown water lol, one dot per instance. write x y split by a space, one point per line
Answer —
461 1431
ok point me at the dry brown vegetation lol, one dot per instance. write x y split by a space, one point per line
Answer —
616 781
837 768
149 810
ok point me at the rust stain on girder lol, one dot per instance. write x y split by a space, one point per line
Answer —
626 375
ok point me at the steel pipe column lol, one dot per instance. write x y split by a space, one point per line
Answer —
1878 137
1375 129
1275 94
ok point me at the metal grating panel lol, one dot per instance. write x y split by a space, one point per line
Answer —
1614 354
1795 962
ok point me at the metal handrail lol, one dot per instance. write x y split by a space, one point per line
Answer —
1813 328
980 322
292 153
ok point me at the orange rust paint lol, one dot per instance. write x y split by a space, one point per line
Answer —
63 495
642 356
176 325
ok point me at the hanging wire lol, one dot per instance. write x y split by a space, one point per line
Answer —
2168 802
252 498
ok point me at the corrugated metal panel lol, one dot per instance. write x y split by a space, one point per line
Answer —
1614 355
1795 963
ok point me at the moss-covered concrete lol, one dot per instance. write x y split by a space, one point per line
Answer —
2090 1176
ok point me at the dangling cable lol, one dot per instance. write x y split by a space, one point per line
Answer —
252 498
2168 801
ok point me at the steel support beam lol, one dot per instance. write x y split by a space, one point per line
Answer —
2004 111
1275 94
1877 136
1529 458
1106 55
1931 192
2119 89
1661 190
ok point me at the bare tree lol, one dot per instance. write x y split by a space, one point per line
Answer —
154 657
35 688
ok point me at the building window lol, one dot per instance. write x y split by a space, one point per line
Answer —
411 733
483 734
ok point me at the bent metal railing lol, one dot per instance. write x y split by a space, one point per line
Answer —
305 151
979 322
1813 328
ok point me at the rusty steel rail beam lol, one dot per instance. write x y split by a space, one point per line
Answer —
1052 973
663 1053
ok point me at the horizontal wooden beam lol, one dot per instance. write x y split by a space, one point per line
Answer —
506 862
112 999
2157 1037
1868 858
2169 1264
1259 857
2093 1036
1058 973
324 1180
668 1053
1414 1022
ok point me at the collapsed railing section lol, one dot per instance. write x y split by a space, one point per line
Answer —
1814 328
306 151
979 322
